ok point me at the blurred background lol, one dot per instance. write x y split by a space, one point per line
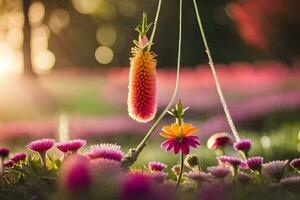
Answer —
64 71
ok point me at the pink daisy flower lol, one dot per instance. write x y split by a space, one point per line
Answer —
4 152
179 138
276 168
243 146
157 166
219 140
9 164
106 165
199 177
295 164
243 178
70 146
218 172
230 160
107 151
255 163
41 146
18 157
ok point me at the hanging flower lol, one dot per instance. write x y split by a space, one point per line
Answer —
4 152
70 146
142 78
179 138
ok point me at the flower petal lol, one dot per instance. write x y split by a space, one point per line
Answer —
166 135
185 148
177 148
176 129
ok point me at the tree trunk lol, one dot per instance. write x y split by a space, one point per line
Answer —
28 70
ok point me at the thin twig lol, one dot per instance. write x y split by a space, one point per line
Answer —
213 69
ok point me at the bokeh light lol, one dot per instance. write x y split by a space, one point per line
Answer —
127 8
85 6
104 55
43 61
265 142
36 12
106 35
59 19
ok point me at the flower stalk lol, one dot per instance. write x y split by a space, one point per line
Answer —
214 72
181 169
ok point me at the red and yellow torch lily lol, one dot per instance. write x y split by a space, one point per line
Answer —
142 78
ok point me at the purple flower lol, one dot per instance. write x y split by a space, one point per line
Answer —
107 151
255 163
243 178
41 145
70 146
18 157
199 177
9 164
157 166
75 174
244 165
296 164
230 160
218 172
243 145
4 152
179 138
276 168
291 183
219 140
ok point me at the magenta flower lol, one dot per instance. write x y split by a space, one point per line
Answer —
291 183
179 138
105 165
158 176
243 146
296 164
75 174
244 165
18 157
107 151
138 186
218 172
41 146
9 164
276 168
243 178
4 152
255 163
230 160
219 140
157 166
70 146
199 177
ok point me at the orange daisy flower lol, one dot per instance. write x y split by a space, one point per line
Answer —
179 138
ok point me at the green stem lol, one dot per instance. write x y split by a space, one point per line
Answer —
133 154
216 79
154 25
181 169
